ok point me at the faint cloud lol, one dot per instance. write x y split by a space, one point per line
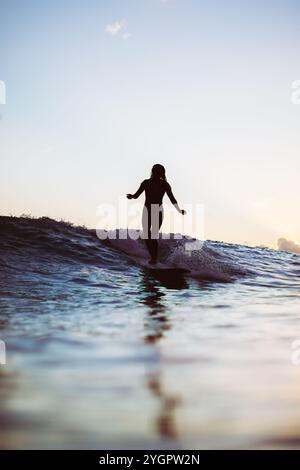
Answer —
117 28
295 96
288 245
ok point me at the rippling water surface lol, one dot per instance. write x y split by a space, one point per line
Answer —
102 353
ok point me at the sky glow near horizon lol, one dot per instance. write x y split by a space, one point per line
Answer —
99 91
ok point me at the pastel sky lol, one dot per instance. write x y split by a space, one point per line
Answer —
99 90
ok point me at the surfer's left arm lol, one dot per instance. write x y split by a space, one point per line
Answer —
173 200
138 193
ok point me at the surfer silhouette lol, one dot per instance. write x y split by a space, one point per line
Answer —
155 188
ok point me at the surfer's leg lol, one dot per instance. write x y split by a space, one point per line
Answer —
151 249
161 216
146 222
156 219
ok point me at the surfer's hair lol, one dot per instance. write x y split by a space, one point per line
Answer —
158 172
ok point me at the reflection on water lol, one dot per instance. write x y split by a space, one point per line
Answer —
165 421
156 317
158 322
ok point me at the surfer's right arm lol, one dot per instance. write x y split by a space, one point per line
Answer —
138 193
173 200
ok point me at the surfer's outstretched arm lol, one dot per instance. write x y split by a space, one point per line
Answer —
138 193
173 200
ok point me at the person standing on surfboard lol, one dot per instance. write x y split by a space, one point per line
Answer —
155 188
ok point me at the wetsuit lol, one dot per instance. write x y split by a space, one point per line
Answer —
152 219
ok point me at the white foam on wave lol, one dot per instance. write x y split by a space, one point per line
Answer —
193 256
201 264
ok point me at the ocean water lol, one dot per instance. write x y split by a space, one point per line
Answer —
102 353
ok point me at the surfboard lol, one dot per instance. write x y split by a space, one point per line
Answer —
163 268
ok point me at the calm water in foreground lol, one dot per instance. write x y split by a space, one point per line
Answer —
103 354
